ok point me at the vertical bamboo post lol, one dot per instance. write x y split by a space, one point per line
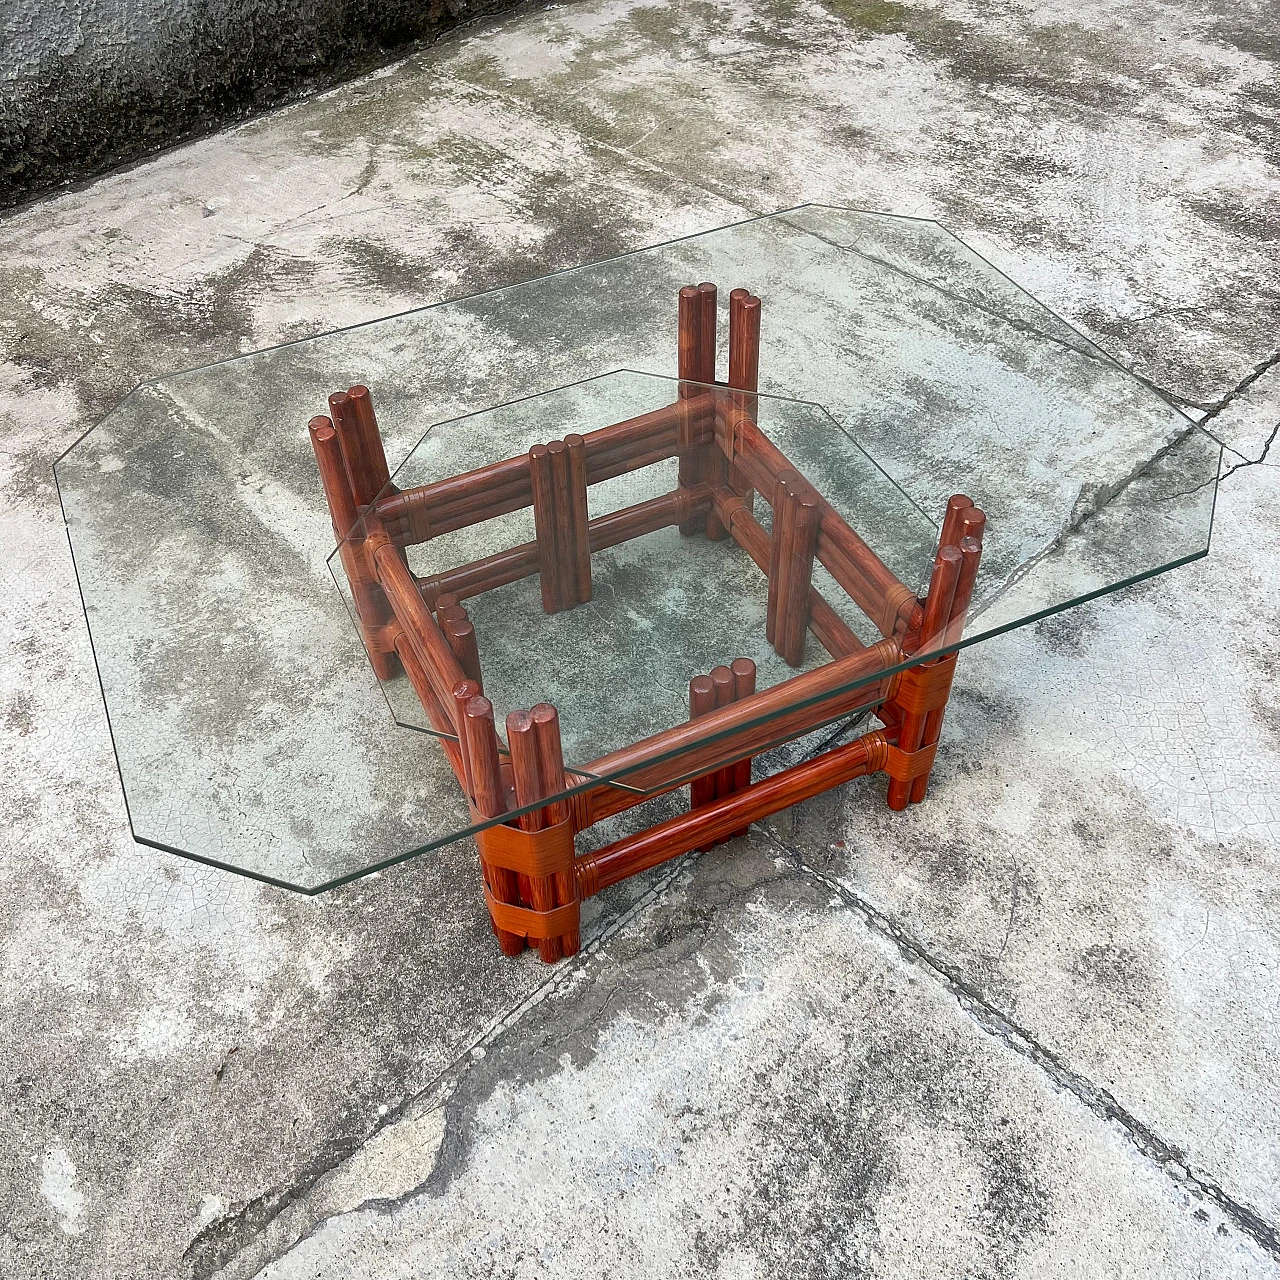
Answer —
702 698
372 610
333 476
458 629
744 370
563 522
372 452
581 535
722 686
463 692
490 799
546 724
937 613
522 742
794 609
461 635
779 553
744 685
707 324
688 344
970 557
973 522
361 443
714 466
542 477
689 353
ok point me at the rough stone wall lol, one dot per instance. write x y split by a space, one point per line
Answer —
88 84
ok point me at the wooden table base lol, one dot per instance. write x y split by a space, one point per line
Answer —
533 879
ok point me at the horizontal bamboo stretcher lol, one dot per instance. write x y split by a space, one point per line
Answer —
533 881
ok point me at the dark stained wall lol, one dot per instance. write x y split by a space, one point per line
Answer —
89 84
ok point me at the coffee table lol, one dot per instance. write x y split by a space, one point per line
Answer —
642 534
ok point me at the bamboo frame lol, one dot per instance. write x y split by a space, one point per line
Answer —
532 881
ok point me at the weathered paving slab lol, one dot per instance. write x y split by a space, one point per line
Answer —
1104 865
184 1053
755 1080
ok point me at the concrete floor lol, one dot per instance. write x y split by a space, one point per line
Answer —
1027 1029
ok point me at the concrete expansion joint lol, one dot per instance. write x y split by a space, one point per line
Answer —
1167 1156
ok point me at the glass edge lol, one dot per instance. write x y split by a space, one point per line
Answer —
1164 396
595 780
97 666
486 293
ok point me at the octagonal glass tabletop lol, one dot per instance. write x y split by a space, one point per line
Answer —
897 367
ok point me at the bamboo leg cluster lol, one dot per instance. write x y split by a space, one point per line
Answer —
951 583
796 515
457 629
538 769
353 470
696 360
724 685
532 881
558 478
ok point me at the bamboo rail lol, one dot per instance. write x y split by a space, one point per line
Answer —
723 735
722 817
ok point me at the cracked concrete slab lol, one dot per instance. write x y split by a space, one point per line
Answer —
1105 872
185 1054
756 1080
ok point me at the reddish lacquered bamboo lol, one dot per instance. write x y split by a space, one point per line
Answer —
971 555
461 635
653 435
438 714
744 346
713 466
723 456
372 610
463 692
413 615
973 522
770 715
333 476
688 345
526 771
579 523
793 622
362 452
953 520
721 818
604 531
780 540
829 628
702 699
722 682
542 474
425 512
489 797
937 613
707 325
375 458
744 372
870 583
546 724
691 358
